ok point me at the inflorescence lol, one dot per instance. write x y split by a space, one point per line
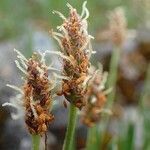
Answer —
35 96
96 98
74 42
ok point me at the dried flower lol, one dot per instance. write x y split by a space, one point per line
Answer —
117 26
74 42
96 98
35 96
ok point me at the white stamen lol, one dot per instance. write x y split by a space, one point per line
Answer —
15 88
53 84
87 14
93 52
43 57
59 42
85 11
32 107
20 54
54 69
20 68
86 82
52 87
106 92
85 45
60 14
61 77
61 28
90 49
94 75
69 6
91 37
23 63
59 54
9 104
93 99
104 79
57 34
41 71
106 111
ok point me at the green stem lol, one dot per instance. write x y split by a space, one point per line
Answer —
111 83
71 128
146 89
93 138
35 142
112 78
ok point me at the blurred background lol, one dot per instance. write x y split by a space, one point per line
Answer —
25 25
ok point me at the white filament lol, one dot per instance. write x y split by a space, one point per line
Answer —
61 77
60 14
20 54
19 67
83 8
15 88
59 54
84 11
104 79
32 107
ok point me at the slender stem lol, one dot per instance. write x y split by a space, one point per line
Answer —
146 89
93 138
111 82
93 143
71 128
35 142
112 78
89 139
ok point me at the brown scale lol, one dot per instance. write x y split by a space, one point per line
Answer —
37 87
72 89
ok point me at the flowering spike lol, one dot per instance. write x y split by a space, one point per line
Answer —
95 97
117 26
36 97
75 44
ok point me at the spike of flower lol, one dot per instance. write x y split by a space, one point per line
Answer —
74 41
36 96
95 97
117 26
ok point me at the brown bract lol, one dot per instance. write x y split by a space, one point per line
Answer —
37 97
